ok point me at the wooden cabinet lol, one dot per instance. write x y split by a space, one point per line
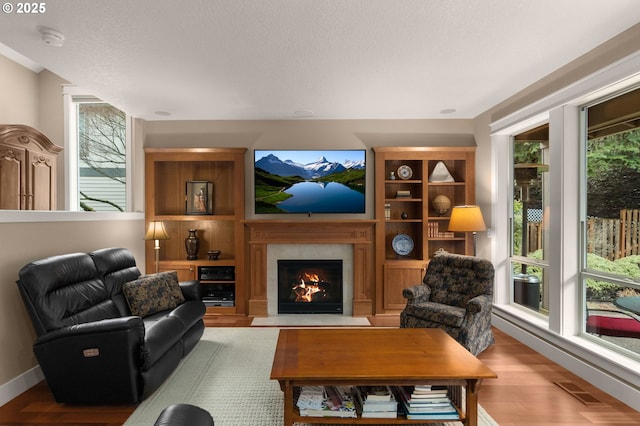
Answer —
27 169
167 172
410 226
187 271
397 276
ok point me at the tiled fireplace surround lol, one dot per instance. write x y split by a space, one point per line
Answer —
349 240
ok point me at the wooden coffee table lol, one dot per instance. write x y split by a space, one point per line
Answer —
376 356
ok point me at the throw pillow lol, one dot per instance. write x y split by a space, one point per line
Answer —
153 293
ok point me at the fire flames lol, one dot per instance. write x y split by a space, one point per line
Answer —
307 288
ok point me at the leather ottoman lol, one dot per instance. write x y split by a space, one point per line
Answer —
184 415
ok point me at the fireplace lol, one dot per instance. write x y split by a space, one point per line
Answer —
350 240
310 286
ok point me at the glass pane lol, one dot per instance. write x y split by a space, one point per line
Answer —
613 314
613 220
102 157
530 218
528 288
530 214
612 182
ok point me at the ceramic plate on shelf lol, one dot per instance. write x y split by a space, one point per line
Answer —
405 172
402 244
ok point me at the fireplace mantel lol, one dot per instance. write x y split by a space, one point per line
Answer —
359 233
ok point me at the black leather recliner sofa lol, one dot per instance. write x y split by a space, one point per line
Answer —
91 349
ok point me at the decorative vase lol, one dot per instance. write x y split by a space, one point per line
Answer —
192 245
441 204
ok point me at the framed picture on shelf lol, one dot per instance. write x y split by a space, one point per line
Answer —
199 197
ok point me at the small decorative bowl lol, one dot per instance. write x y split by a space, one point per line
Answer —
213 254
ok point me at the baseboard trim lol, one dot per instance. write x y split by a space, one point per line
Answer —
20 384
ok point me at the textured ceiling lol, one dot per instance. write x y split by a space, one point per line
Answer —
276 59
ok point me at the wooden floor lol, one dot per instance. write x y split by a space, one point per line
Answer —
525 393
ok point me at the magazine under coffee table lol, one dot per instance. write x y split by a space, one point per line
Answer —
376 356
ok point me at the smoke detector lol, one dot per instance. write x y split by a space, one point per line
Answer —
51 37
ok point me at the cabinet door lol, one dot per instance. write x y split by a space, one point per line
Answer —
398 277
186 271
12 178
41 182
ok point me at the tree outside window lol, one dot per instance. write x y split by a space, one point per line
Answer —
101 157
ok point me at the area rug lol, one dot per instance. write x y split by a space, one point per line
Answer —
227 374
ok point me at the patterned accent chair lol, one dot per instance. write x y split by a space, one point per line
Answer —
456 295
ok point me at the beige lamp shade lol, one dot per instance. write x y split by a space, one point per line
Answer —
156 231
466 219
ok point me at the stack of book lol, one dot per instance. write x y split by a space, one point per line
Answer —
426 403
326 401
375 402
433 231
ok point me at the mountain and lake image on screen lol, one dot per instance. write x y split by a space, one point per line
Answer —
309 181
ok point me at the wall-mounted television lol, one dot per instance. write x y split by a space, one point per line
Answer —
309 181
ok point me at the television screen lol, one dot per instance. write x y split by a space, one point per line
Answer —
309 181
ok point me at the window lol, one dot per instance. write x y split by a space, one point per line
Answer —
102 148
586 121
97 156
529 218
611 219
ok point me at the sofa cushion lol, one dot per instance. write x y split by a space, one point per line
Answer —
437 313
116 266
153 293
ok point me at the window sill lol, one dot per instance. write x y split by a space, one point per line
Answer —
32 216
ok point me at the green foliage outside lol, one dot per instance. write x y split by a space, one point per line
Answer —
601 291
613 172
618 151
527 152
605 291
517 227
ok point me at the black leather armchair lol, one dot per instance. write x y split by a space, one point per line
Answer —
89 345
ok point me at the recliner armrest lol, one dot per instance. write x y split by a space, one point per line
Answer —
191 290
479 303
417 294
95 328
97 362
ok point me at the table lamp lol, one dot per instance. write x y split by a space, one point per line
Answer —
156 232
467 219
